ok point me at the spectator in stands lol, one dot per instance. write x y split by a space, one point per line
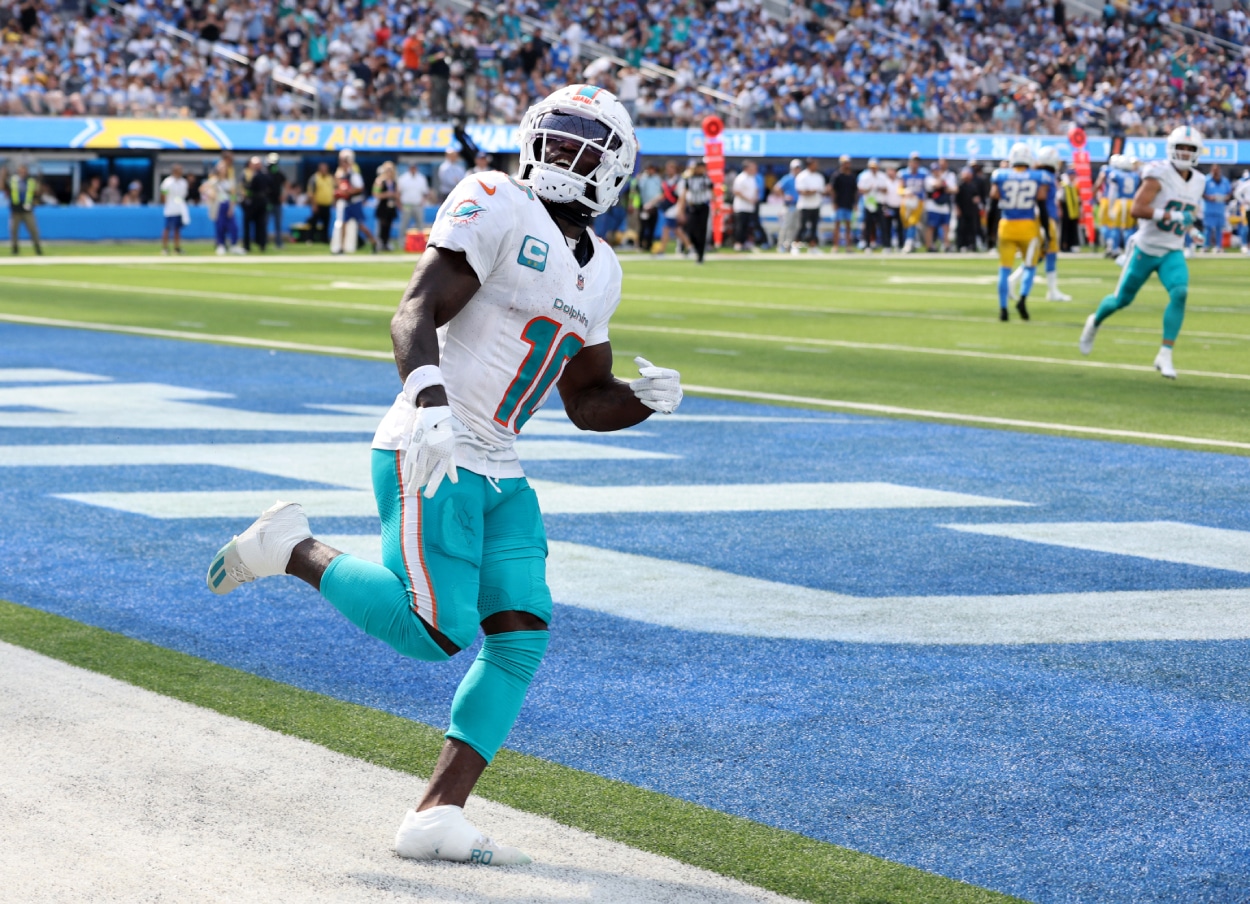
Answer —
845 199
111 193
745 199
414 192
450 172
812 190
23 192
386 193
321 200
134 194
277 195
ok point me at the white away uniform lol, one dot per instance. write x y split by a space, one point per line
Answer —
502 355
1181 196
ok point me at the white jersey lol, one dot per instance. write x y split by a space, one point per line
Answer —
1241 193
1178 195
174 191
537 307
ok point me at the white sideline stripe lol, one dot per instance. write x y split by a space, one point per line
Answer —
558 499
968 418
199 260
126 289
915 349
47 375
199 337
125 795
695 598
1162 541
340 464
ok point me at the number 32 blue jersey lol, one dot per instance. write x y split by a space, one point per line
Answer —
1017 193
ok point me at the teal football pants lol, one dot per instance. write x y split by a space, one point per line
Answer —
1173 273
452 561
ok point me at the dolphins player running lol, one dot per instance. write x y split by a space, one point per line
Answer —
511 300
1166 208
1021 195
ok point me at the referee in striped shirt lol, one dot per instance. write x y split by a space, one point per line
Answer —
694 204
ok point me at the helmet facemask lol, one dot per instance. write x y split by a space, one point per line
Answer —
569 158
1184 156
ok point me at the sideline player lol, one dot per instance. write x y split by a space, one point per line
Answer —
913 200
1021 195
1215 209
1241 194
1166 208
512 299
349 208
1047 169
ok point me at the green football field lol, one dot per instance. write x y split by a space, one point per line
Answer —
913 336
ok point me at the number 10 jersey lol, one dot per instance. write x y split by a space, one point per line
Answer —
503 354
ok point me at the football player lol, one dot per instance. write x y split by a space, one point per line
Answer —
511 300
1241 195
1020 195
1047 169
1166 207
912 213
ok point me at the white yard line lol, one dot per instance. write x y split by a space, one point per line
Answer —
124 289
965 418
197 260
111 792
912 349
199 337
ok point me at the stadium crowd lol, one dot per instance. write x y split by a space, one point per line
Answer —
1137 67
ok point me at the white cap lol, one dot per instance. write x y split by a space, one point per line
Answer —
845 158
872 161
796 162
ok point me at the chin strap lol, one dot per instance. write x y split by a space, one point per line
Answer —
572 212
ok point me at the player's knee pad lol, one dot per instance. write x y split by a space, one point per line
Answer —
490 695
1178 295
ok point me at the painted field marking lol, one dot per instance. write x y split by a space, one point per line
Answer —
911 349
338 464
127 289
107 797
986 280
964 418
1161 541
47 375
557 499
103 260
695 598
248 341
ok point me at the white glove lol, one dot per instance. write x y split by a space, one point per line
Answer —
431 450
659 388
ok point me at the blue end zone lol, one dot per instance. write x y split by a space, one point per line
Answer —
1058 772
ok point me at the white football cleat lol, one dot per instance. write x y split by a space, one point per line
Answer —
221 249
442 833
1056 295
1088 334
1163 363
261 551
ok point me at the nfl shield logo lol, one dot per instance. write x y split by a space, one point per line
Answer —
581 282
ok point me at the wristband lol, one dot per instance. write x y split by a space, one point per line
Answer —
422 378
1160 214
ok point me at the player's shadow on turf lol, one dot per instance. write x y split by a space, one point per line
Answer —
537 880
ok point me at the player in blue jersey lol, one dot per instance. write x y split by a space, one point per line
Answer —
1215 209
912 212
1020 194
1048 165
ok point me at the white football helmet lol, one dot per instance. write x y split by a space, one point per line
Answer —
1020 155
587 121
1048 157
1184 147
1116 161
